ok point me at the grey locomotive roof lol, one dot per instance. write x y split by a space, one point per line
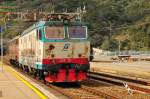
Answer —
34 26
48 23
13 39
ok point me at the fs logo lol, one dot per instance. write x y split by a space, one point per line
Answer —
66 46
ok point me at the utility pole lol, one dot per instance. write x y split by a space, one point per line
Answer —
119 46
110 32
110 29
1 47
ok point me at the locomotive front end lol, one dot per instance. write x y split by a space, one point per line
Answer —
66 50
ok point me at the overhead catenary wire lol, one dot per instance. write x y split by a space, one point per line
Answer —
120 27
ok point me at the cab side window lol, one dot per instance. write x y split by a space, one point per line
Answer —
39 34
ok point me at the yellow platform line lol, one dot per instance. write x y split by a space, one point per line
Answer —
38 92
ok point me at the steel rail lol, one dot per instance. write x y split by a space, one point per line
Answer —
138 85
122 78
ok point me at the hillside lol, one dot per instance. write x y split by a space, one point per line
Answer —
110 21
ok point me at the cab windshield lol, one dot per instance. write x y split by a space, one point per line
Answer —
55 32
77 32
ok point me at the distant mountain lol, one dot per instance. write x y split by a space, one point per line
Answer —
108 20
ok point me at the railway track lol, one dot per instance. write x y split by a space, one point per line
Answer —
135 84
82 91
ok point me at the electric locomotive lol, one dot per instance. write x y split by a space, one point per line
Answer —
57 50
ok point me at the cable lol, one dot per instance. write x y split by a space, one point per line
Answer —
121 27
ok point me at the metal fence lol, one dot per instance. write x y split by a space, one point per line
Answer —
117 53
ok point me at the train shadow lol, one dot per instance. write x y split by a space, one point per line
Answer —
68 84
88 83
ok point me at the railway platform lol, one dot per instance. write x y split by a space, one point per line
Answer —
14 86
